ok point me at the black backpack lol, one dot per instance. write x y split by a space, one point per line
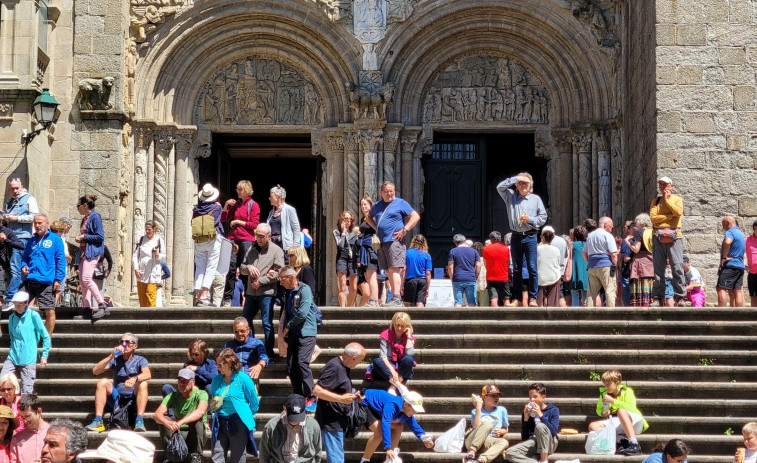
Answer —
356 419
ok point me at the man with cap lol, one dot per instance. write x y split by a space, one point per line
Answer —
26 329
386 414
189 405
64 441
122 446
207 241
666 211
291 436
335 397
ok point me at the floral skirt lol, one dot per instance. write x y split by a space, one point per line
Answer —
641 292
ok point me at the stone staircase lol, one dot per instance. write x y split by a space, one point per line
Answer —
694 370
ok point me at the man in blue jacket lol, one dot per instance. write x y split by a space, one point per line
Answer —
44 267
541 421
386 414
26 330
19 215
249 349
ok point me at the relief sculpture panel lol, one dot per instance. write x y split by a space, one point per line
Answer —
486 88
255 91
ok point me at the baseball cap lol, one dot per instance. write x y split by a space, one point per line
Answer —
187 374
415 400
21 296
489 389
665 179
295 407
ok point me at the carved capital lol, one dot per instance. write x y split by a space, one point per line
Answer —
582 143
371 139
184 142
351 141
391 138
603 142
409 140
164 140
335 142
142 137
563 141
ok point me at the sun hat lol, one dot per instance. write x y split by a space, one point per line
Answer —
208 194
122 446
415 400
7 413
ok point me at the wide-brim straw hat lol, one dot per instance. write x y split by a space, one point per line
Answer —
122 446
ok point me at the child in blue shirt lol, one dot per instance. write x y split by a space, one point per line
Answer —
489 425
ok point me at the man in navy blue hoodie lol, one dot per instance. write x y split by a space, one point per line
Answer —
539 431
249 349
43 265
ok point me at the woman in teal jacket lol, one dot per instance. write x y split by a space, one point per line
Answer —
234 421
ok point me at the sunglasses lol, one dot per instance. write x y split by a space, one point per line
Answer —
127 342
239 331
7 389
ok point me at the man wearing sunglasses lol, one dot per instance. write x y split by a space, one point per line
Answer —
20 210
130 375
249 349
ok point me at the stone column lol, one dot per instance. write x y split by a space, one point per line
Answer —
142 143
391 139
183 250
164 142
604 169
370 139
351 156
617 178
408 140
582 144
564 210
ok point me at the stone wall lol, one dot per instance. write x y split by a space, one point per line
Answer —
707 116
639 124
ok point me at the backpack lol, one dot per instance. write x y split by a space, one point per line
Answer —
357 418
204 228
124 412
318 316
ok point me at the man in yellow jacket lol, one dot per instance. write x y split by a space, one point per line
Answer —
666 212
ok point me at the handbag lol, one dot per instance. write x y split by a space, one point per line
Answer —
602 441
375 241
667 235
99 273
217 401
452 440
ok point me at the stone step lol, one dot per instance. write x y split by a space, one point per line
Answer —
451 313
436 356
82 338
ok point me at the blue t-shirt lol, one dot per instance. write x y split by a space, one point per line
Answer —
416 263
123 370
465 259
657 457
236 298
498 417
738 247
396 211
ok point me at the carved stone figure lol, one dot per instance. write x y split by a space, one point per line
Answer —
369 20
130 62
365 102
95 93
398 10
255 91
486 88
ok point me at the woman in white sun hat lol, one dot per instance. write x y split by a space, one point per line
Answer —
122 446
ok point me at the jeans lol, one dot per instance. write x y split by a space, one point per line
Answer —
206 262
16 279
404 368
194 436
264 305
625 291
520 246
467 287
25 373
333 444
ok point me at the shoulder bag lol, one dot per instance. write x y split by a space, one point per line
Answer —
375 241
217 401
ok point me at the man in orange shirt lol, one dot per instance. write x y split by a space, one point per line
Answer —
666 212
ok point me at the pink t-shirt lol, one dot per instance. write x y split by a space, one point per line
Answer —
751 253
26 445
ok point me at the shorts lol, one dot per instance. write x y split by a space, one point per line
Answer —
391 255
499 290
348 267
751 281
731 278
42 291
372 415
637 421
669 291
415 290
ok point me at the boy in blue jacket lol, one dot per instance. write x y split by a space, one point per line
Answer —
386 416
541 421
43 266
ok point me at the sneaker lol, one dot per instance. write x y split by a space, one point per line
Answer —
96 425
621 446
533 303
681 302
78 317
316 353
204 302
310 405
8 306
195 458
139 426
372 303
100 314
470 458
655 303
394 303
632 449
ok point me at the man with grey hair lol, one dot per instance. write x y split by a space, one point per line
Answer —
388 217
64 441
249 349
601 253
463 267
525 214
262 264
43 265
131 373
188 405
20 209
335 397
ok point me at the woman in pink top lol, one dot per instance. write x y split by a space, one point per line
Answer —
8 424
751 259
9 396
243 216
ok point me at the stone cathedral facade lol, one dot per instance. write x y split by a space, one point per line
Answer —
614 93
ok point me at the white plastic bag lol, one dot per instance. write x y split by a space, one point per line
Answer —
452 440
396 458
602 442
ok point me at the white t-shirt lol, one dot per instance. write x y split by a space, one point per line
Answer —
142 259
548 263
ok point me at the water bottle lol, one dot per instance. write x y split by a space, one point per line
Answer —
605 408
117 353
531 408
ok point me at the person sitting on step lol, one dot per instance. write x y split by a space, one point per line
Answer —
188 405
250 350
131 373
617 402
748 453
541 421
396 351
489 426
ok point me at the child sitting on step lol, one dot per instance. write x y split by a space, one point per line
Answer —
748 454
617 402
489 426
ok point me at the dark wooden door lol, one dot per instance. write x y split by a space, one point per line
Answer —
453 196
